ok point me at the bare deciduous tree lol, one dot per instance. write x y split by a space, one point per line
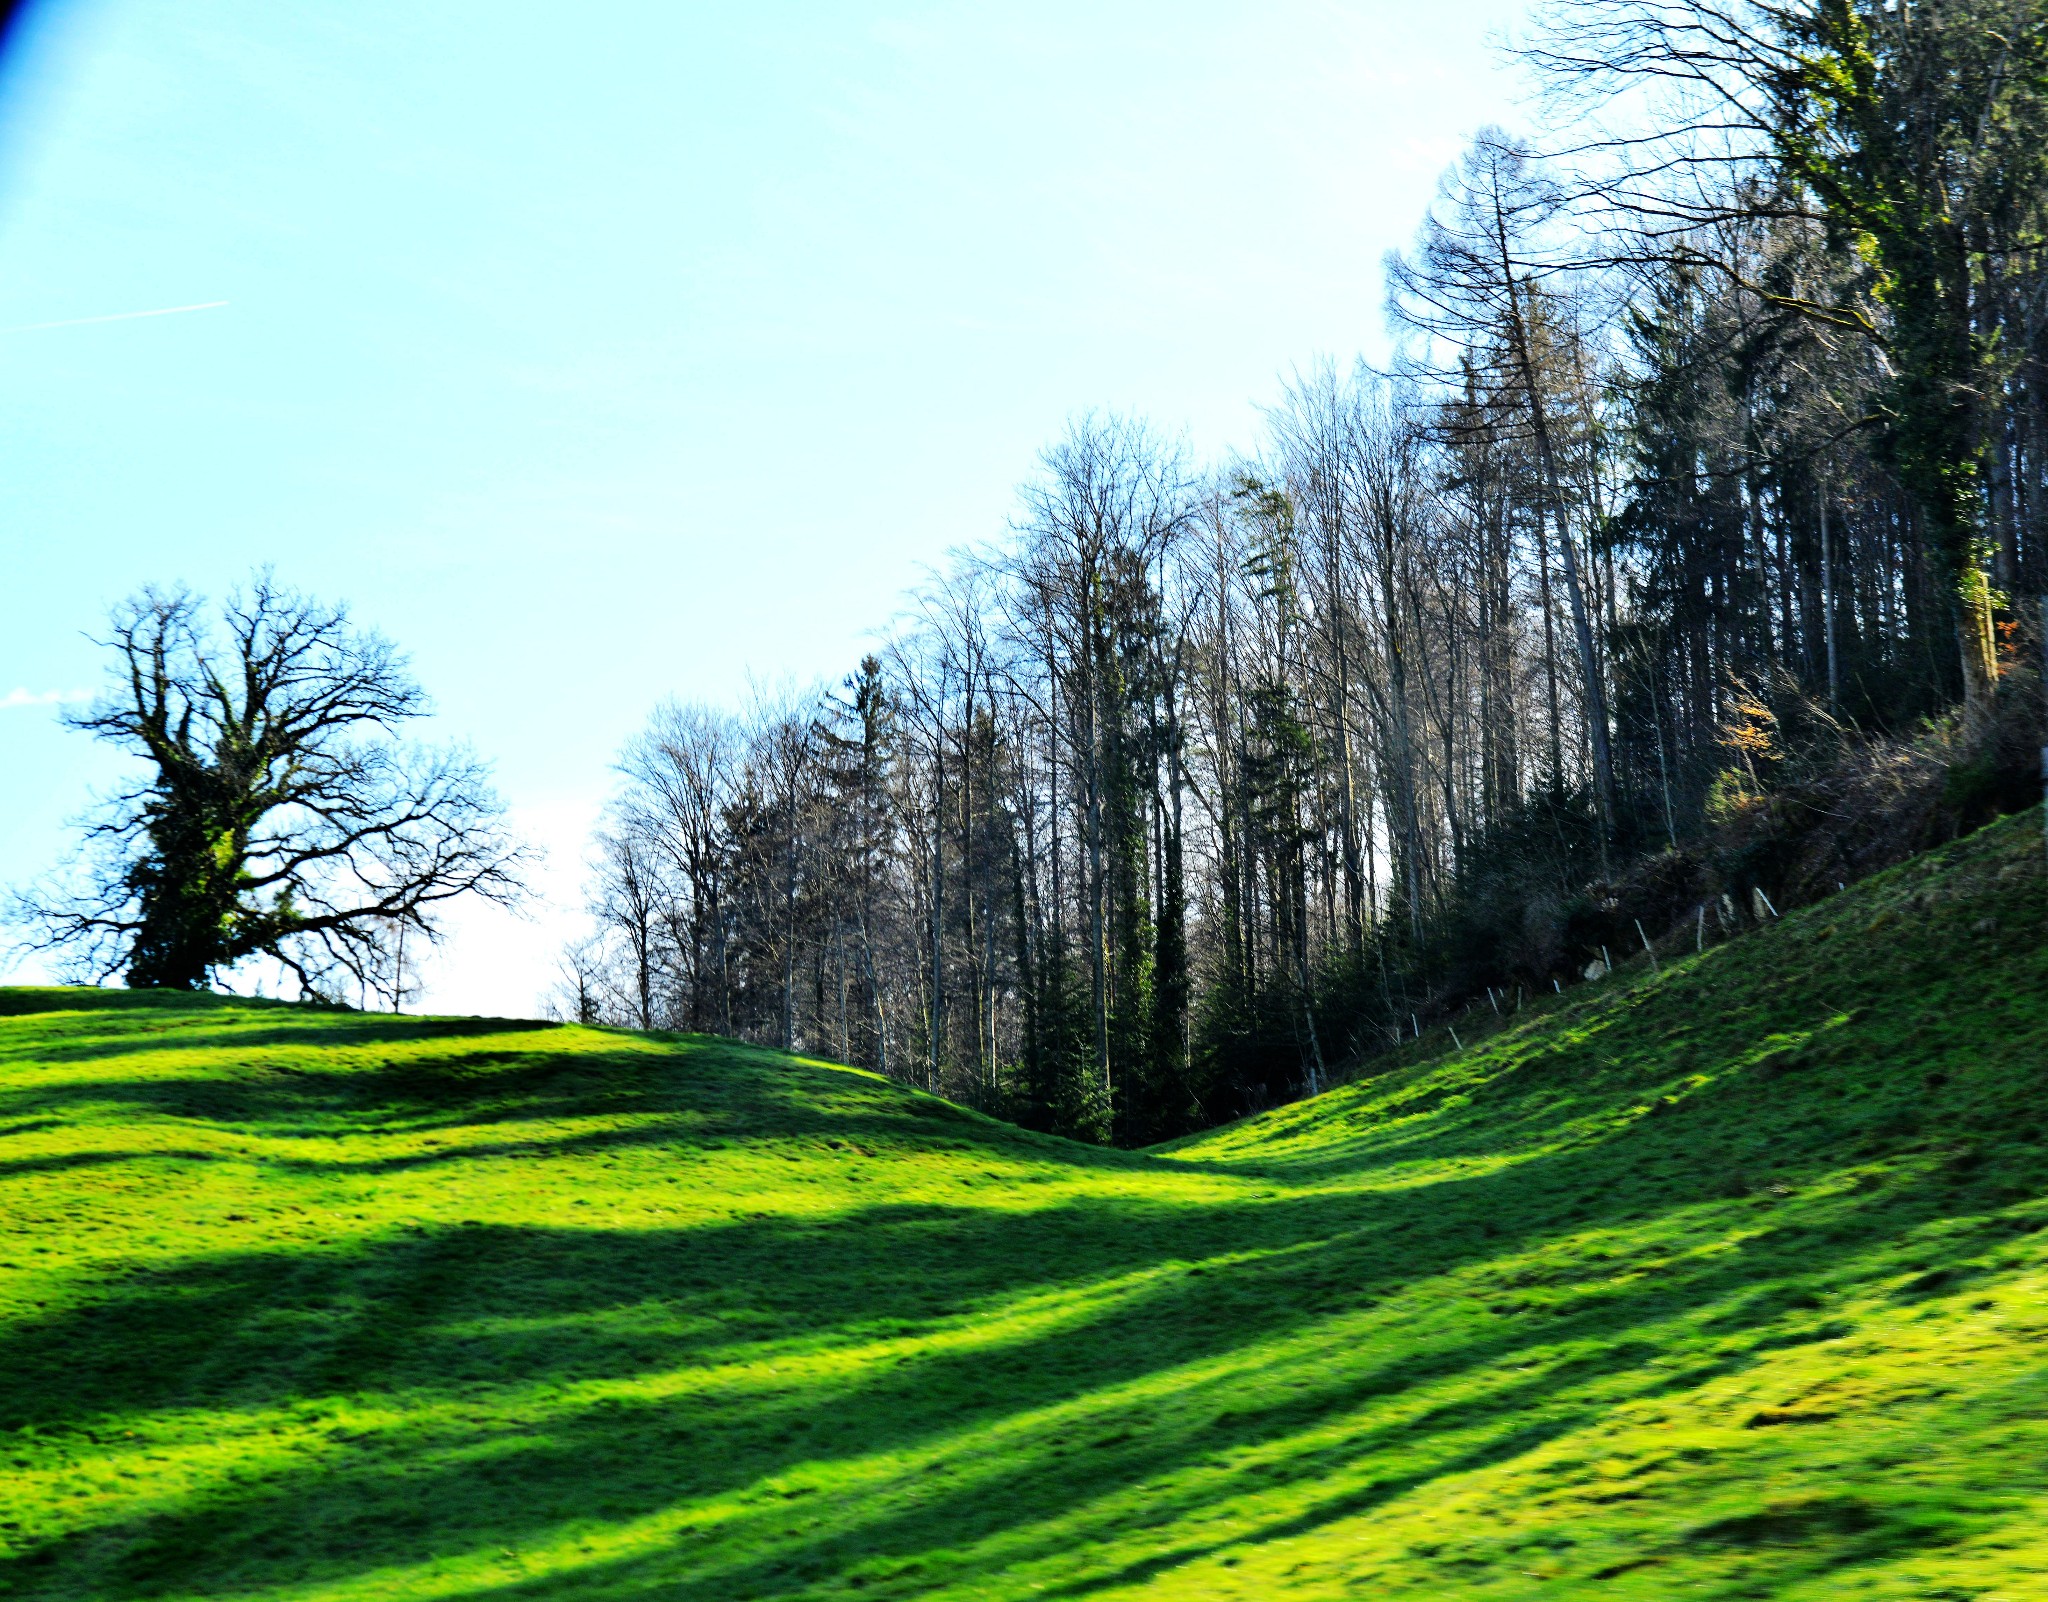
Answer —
279 815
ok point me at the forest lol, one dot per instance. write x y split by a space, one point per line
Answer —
1681 550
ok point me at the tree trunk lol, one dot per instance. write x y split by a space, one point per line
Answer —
1575 594
1975 638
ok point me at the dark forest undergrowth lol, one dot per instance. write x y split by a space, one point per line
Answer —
1722 1282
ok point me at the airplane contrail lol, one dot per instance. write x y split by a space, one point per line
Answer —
113 317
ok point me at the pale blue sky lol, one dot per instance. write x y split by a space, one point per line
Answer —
601 353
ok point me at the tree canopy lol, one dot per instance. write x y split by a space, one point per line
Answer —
278 815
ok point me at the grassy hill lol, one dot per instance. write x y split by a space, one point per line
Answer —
1726 1282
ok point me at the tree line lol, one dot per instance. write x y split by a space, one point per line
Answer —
1201 780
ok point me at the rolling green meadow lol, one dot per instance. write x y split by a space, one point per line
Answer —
1726 1281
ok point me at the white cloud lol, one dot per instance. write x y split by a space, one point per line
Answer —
20 697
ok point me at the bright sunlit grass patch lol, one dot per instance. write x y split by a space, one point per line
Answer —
1725 1282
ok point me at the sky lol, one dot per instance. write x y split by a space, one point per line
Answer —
599 364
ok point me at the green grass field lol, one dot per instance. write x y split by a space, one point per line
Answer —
1722 1283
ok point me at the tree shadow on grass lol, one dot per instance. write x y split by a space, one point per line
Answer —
652 1092
637 1458
94 1038
70 1161
18 1001
463 1312
584 1073
459 1315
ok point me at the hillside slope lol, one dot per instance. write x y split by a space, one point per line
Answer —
1723 1283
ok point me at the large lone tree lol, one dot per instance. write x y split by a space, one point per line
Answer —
281 816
